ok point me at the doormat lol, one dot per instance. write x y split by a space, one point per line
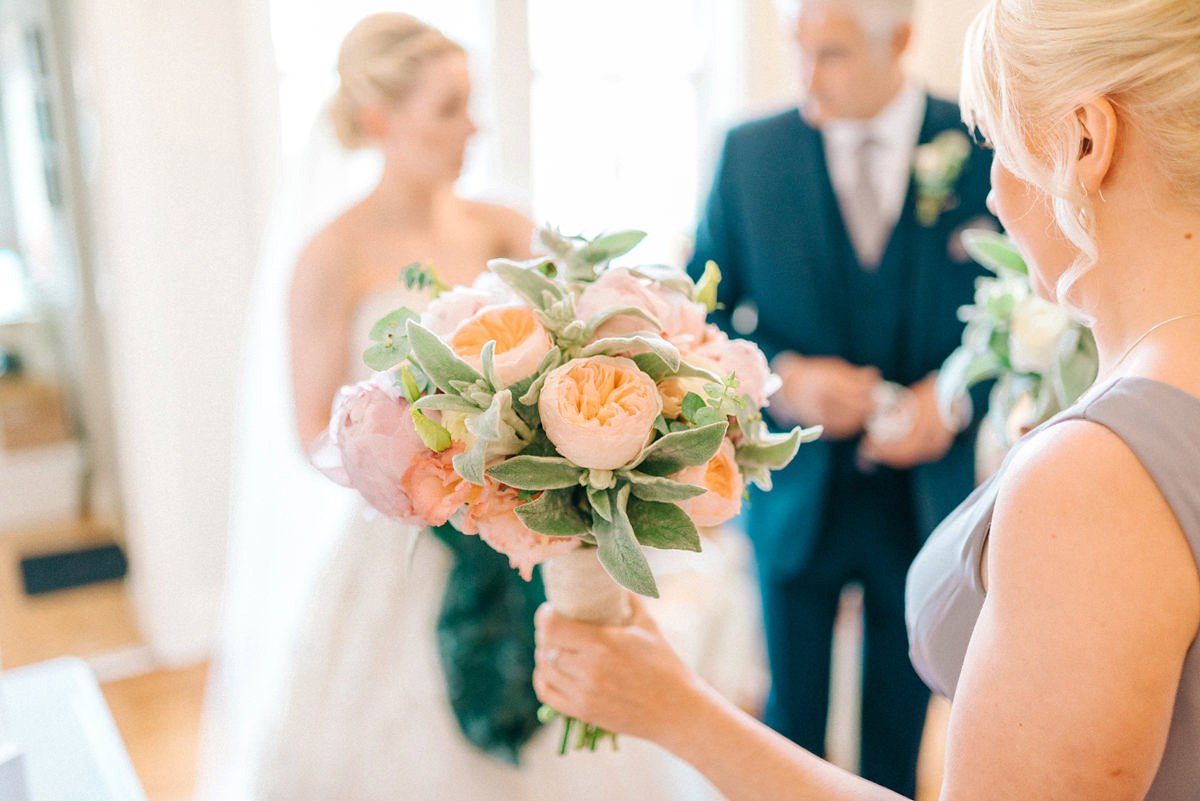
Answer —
74 568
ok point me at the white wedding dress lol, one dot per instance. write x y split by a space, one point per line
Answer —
366 717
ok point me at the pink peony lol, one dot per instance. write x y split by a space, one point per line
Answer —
493 517
373 429
599 412
724 483
681 321
520 339
436 489
618 287
743 359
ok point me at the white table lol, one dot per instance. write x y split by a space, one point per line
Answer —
55 713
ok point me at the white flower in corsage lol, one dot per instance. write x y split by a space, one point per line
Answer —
937 166
568 412
1040 357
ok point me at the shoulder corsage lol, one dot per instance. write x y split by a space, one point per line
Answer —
937 166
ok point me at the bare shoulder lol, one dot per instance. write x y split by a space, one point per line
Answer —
512 230
325 268
1080 519
1069 683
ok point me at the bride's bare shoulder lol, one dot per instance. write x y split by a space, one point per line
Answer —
511 230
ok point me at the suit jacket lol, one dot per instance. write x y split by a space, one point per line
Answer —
773 226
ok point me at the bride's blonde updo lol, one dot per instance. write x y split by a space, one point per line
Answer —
378 63
1029 64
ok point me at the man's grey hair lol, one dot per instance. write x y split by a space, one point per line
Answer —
879 18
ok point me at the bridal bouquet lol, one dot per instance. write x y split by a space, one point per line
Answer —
565 410
1041 358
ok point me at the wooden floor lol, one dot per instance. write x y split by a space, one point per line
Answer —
158 711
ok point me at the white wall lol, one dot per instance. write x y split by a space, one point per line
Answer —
179 94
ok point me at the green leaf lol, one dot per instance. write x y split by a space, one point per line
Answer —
693 403
536 472
618 548
528 282
663 525
423 276
664 350
667 276
600 503
775 450
669 454
994 251
555 514
442 365
446 403
393 326
656 488
435 437
469 465
706 287
607 247
608 312
382 358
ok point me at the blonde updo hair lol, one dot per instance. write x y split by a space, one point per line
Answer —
378 63
1028 65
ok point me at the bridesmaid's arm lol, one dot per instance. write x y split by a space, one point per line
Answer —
1070 677
1093 599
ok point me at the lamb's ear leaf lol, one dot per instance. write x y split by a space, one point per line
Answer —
618 548
663 525
555 514
443 366
671 453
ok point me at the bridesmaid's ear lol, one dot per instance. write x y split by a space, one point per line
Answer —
1098 139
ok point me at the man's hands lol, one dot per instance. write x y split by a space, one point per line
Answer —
927 440
843 397
823 390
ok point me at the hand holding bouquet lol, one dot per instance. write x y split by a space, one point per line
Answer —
562 405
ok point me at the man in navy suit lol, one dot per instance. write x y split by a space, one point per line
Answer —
835 226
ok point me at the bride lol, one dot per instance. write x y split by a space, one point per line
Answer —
341 691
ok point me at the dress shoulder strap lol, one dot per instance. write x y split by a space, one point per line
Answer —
1161 425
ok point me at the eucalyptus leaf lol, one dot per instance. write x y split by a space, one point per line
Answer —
393 325
669 454
618 548
382 358
536 472
440 363
555 514
663 525
693 403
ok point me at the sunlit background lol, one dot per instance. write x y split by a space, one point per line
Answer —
146 143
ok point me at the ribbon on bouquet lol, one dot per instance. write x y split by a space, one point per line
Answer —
485 640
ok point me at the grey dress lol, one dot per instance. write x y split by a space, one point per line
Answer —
1161 425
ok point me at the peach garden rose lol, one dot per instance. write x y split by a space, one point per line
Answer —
599 412
724 483
520 339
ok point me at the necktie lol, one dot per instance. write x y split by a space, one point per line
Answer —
861 208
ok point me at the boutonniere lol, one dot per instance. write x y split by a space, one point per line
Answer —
937 166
